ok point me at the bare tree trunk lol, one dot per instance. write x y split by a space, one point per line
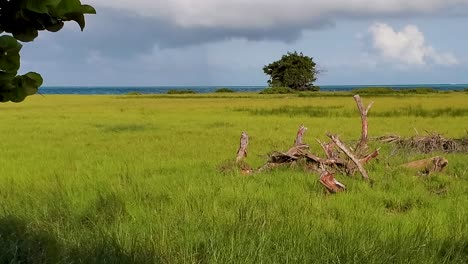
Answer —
242 152
300 134
362 145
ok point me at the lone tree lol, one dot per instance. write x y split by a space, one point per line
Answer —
23 19
293 70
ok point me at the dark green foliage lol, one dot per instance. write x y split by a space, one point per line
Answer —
174 91
293 70
278 90
23 19
134 93
391 91
224 90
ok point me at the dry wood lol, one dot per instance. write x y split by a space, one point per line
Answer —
300 134
328 149
242 152
338 156
367 158
362 144
348 153
429 165
432 142
331 184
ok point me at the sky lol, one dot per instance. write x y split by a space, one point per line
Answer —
227 42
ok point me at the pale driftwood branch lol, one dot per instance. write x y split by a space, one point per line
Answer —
242 152
428 166
300 134
348 153
370 156
362 144
331 184
327 148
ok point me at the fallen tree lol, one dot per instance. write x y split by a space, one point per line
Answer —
338 156
343 159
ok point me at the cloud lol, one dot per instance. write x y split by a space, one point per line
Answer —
262 14
124 28
406 47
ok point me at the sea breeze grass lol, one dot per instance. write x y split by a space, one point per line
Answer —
135 179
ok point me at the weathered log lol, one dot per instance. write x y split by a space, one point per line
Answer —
361 146
300 134
429 165
331 184
242 152
348 153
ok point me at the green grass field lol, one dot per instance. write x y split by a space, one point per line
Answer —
136 179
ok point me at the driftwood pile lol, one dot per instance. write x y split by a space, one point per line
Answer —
338 156
432 142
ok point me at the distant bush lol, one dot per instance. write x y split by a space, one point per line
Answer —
313 88
374 90
224 90
278 90
174 91
134 93
421 90
388 90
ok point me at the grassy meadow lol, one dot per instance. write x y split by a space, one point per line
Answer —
136 179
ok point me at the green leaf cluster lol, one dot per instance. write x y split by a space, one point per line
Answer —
23 19
293 70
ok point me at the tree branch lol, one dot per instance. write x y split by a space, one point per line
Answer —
300 133
244 142
362 145
348 153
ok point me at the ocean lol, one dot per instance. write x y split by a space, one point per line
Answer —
209 89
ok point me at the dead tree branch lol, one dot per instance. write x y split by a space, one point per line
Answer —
348 153
242 152
300 134
362 144
331 184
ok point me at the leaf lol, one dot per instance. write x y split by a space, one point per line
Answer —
87 9
9 44
55 27
9 57
25 85
26 34
78 18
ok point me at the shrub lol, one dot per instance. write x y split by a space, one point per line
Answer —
373 90
388 90
174 91
224 90
420 90
134 93
278 90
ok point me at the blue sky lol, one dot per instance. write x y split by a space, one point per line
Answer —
212 42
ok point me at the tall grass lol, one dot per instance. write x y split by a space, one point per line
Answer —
106 179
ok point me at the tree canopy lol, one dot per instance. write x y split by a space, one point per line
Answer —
23 19
293 70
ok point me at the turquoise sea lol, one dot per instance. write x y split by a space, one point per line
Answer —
208 89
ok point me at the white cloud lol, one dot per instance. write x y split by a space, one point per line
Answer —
406 47
242 14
